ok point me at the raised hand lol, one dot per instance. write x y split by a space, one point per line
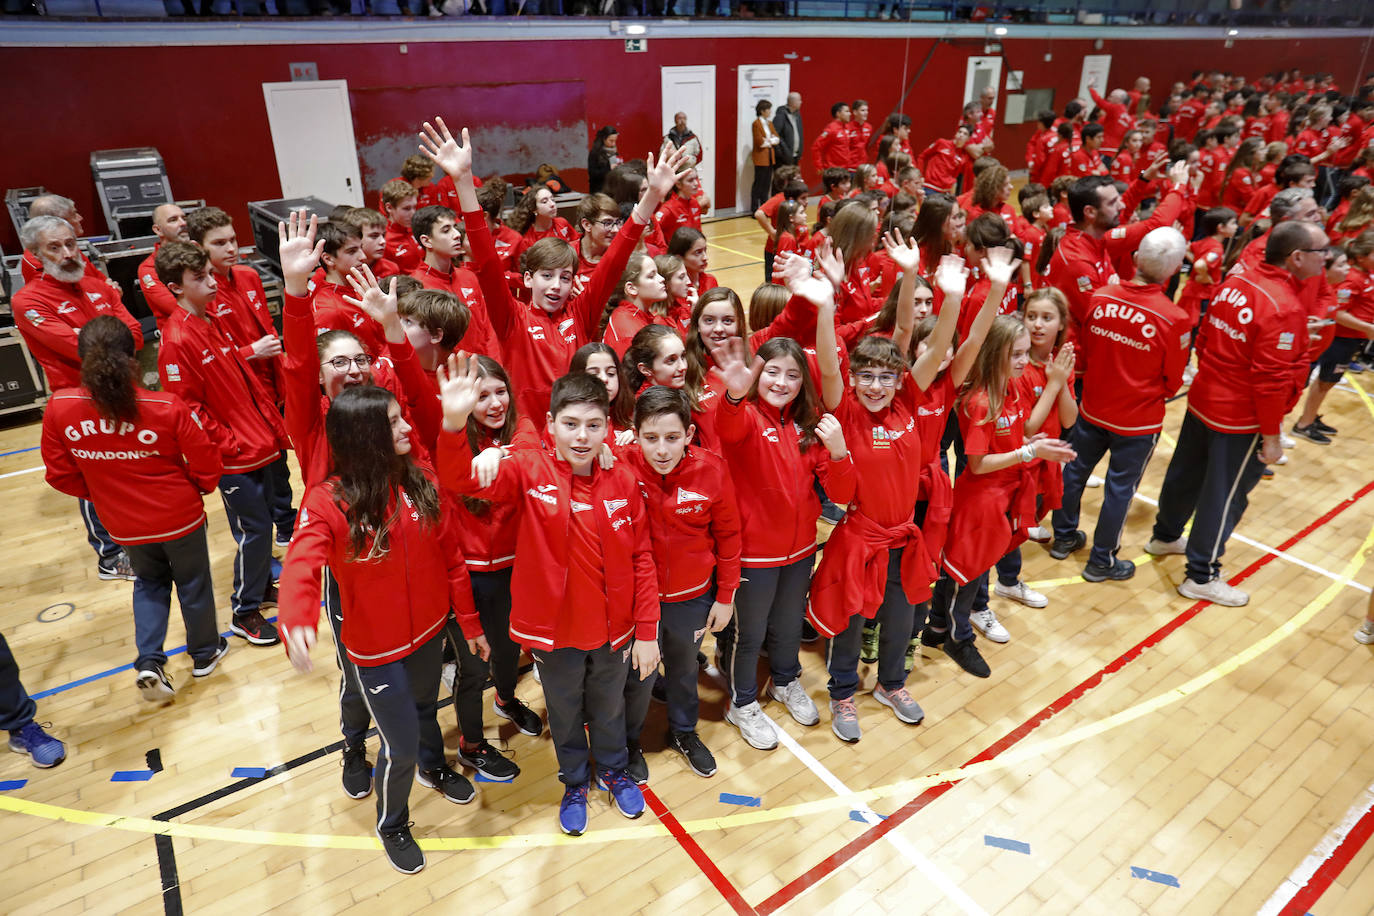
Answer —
379 304
831 434
664 173
1000 264
1156 168
1060 369
460 385
453 157
951 276
830 262
790 267
732 366
1178 172
298 250
902 252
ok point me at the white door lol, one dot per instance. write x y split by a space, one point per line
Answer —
757 82
1096 66
692 90
312 133
982 71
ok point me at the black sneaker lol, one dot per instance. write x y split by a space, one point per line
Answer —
934 639
967 656
253 628
1311 434
638 768
525 719
488 761
201 669
1118 570
1324 428
689 745
401 850
1062 547
453 786
154 685
118 567
809 633
357 771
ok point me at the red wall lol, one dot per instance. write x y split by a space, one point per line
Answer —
202 107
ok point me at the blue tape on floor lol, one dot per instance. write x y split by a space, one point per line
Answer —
11 784
478 777
748 801
1158 877
249 772
859 816
19 451
1003 843
131 776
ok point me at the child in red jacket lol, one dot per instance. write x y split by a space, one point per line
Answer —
584 592
145 462
381 526
695 528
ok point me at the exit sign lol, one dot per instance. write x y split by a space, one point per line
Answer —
304 72
634 45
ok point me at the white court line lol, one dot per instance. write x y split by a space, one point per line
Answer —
1323 851
17 473
926 867
1336 577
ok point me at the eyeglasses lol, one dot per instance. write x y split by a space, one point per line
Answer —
610 225
886 379
341 363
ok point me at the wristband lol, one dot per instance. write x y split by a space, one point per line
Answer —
733 400
1026 453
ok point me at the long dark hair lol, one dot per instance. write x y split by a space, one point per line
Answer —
370 472
489 368
930 227
805 408
108 369
623 404
643 349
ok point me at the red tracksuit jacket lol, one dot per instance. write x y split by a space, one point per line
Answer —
146 478
1252 353
773 482
541 484
830 149
487 535
50 314
200 365
159 298
392 604
460 281
240 312
694 524
402 248
539 345
676 212
1136 341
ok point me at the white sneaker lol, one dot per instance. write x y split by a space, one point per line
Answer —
1040 535
1365 634
986 622
1283 459
798 704
1287 441
535 671
1157 548
448 674
1094 480
1216 591
1020 592
154 685
754 726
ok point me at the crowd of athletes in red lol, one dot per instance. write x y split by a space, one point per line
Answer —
565 438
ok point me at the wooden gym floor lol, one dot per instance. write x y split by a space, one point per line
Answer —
1133 752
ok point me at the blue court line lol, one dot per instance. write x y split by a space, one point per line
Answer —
478 777
131 776
249 773
748 801
81 682
859 816
10 784
19 451
1003 843
1158 877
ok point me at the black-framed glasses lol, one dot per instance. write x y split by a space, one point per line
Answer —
610 225
341 363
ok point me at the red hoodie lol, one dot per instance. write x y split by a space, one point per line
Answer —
50 314
146 478
538 344
1252 353
694 524
773 482
541 484
391 604
203 368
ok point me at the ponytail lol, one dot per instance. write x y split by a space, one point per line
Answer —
108 369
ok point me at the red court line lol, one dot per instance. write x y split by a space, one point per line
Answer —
1331 869
699 856
867 838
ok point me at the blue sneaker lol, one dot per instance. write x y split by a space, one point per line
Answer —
628 800
572 810
45 750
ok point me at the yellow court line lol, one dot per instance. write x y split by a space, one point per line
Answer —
1168 439
1007 759
1141 560
757 256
